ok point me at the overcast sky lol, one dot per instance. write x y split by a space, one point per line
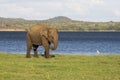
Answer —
85 10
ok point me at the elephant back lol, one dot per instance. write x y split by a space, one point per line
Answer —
35 36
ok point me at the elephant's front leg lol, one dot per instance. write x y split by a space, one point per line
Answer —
35 50
46 46
47 54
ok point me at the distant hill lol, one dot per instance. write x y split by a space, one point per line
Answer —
60 18
61 23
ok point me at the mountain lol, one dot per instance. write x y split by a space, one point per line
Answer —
60 18
61 23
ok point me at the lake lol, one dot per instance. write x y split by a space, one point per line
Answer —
69 43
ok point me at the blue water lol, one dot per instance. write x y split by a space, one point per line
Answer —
69 43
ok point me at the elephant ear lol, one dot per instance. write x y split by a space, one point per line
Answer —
44 33
52 31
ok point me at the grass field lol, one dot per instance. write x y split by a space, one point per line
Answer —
61 67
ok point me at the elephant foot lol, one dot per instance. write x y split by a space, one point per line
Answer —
28 54
51 56
28 57
47 57
36 56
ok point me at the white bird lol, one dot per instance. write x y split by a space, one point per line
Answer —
98 52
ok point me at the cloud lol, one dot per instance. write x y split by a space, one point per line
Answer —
117 12
76 7
90 10
98 1
14 10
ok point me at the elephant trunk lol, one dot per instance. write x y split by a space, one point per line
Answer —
55 44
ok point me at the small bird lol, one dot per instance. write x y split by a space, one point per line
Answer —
98 52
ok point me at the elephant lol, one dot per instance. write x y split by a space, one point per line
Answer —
41 35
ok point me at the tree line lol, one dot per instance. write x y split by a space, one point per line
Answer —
61 23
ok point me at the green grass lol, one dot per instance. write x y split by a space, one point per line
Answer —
61 67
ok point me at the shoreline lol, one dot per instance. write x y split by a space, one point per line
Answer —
11 30
88 31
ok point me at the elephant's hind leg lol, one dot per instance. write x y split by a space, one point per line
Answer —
29 46
35 50
28 51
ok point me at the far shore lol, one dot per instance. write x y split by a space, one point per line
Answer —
2 29
12 29
88 30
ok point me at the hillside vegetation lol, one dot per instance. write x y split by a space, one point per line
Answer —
61 23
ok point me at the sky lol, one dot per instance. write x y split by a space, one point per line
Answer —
83 10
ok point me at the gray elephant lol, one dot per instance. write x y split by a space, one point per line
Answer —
41 35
